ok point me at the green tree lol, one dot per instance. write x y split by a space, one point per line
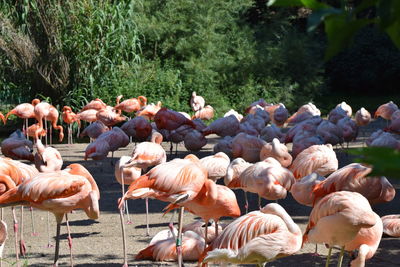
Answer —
341 23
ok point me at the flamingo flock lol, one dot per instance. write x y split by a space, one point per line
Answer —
253 153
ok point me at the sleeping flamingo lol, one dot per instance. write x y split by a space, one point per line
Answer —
255 238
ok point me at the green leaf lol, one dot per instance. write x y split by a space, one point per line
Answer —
394 33
385 161
319 15
340 31
313 4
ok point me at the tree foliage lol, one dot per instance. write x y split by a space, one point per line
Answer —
342 23
161 49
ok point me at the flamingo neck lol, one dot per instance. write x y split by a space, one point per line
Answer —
208 194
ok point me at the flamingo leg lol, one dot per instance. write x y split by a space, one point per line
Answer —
341 257
329 257
147 217
123 193
216 229
128 218
45 127
22 247
26 128
49 245
121 215
51 134
69 239
316 251
259 202
57 250
69 135
16 235
179 238
33 222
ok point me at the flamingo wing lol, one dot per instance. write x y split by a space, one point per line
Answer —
44 186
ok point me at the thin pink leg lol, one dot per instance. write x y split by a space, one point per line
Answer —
49 245
22 246
34 233
69 239
147 217
16 236
121 216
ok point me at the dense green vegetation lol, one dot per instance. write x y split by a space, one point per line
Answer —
231 52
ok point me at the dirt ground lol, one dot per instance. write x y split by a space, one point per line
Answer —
99 243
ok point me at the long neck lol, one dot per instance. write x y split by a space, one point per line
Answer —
291 225
40 147
208 194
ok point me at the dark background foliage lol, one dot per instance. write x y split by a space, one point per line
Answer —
231 52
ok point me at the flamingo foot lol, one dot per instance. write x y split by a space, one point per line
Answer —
34 234
315 254
22 247
49 245
129 222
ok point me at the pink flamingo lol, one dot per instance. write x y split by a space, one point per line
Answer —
45 111
106 142
69 118
317 158
24 111
165 249
94 130
149 111
255 238
96 104
206 113
177 181
58 193
226 126
267 178
212 202
194 140
277 151
247 147
337 219
171 120
346 107
88 115
109 117
366 242
354 177
139 128
196 102
270 132
391 225
131 104
17 147
386 110
216 165
362 117
47 159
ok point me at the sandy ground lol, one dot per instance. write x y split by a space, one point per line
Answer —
99 243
